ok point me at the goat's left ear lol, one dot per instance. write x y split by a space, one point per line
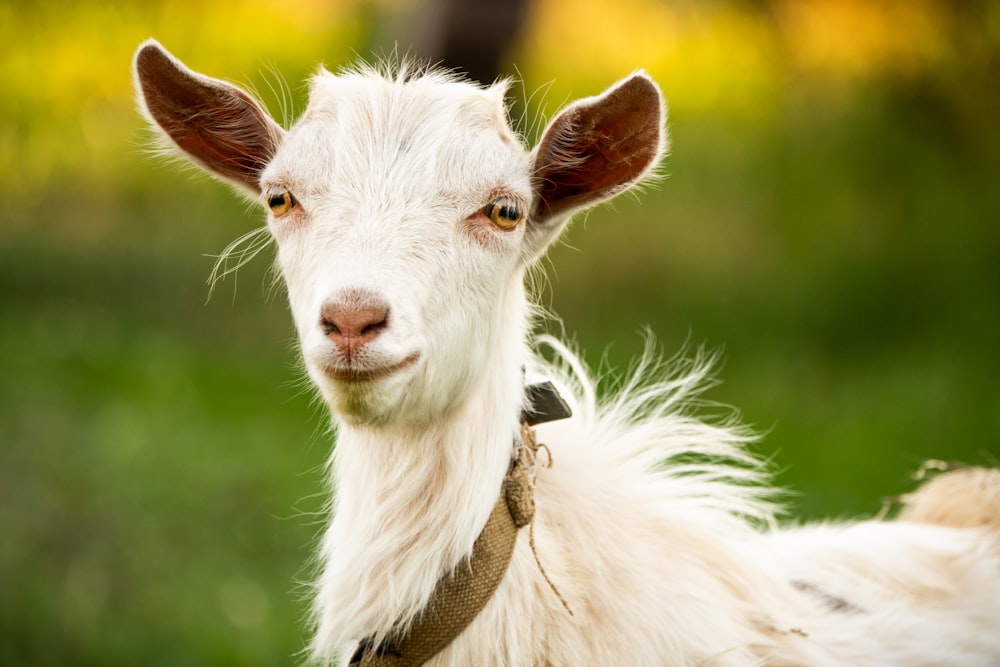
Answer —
595 149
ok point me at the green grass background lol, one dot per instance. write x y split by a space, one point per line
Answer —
161 481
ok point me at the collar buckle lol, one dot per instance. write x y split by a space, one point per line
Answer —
544 404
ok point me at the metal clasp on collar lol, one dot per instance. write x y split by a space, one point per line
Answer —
544 404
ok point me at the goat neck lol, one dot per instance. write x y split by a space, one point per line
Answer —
410 501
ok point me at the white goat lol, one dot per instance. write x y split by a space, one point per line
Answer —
406 213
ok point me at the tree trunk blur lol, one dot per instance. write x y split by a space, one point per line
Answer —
472 36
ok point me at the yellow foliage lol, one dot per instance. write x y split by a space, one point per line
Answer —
67 103
861 38
703 57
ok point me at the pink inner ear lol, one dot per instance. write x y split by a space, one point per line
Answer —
217 125
594 151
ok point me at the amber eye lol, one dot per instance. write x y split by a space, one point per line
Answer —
503 212
280 201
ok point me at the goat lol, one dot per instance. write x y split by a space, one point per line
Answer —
406 213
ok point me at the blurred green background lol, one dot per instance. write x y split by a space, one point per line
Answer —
831 221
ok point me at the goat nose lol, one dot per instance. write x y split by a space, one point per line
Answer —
353 321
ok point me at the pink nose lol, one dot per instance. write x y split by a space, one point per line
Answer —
354 320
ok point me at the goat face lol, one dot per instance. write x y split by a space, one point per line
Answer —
405 211
399 209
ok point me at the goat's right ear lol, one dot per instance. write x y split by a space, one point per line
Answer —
595 149
219 126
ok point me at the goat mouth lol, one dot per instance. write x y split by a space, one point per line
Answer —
362 374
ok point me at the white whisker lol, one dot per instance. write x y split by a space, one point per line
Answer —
237 254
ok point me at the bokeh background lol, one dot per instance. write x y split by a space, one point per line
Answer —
830 222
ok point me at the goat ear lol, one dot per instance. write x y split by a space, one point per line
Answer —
596 148
219 126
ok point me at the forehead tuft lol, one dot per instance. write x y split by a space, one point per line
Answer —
405 91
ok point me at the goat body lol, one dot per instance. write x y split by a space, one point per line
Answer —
406 213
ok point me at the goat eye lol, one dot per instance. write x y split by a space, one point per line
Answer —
503 212
280 201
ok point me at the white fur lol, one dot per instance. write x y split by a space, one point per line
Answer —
655 527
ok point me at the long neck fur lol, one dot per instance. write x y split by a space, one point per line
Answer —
410 500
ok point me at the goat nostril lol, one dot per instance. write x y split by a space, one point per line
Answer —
374 327
328 326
